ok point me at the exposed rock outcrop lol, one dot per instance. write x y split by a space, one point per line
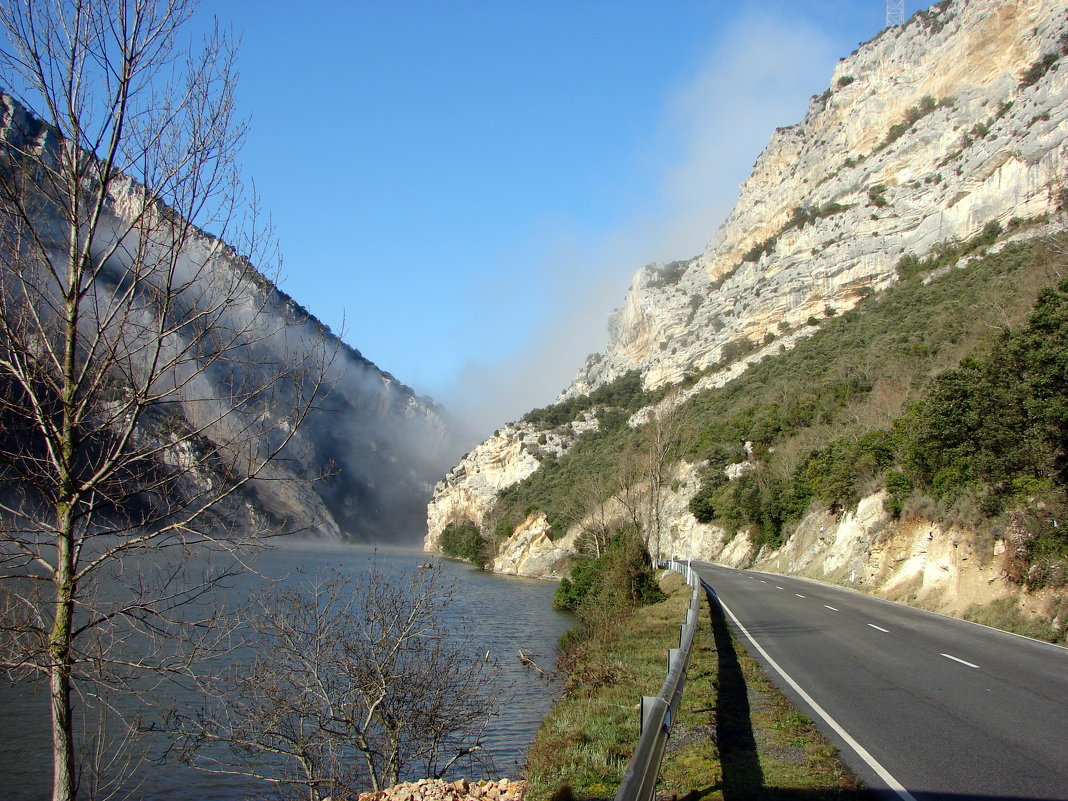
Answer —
506 458
927 133
531 551
934 565
384 445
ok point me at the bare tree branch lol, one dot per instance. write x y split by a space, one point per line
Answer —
144 381
346 672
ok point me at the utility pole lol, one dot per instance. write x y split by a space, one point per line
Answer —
895 13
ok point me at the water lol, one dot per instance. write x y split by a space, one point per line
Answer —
501 614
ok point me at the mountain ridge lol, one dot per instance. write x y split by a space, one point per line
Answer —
386 444
930 138
896 116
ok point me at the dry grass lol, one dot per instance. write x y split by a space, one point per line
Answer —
739 737
736 735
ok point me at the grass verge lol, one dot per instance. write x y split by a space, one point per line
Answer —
736 735
1006 614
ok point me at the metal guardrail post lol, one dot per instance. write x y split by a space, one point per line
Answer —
658 712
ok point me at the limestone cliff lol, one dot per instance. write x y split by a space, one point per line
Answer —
506 458
384 445
926 134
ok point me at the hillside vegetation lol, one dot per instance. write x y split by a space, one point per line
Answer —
949 390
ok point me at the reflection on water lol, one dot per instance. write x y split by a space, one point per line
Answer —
502 615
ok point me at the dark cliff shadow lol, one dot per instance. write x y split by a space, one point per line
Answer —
743 777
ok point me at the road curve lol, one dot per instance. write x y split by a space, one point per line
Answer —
921 706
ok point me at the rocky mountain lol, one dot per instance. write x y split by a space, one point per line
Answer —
925 134
930 134
383 444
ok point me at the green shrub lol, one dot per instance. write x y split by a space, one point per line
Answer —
1035 72
463 541
999 417
898 488
625 392
876 196
759 501
760 249
915 113
947 253
736 349
621 578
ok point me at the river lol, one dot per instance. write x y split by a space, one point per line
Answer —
501 614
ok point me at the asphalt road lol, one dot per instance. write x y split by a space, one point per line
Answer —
920 705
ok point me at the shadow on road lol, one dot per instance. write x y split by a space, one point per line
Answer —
742 775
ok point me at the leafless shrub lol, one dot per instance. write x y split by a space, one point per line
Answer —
350 683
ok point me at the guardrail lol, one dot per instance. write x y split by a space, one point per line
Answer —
658 711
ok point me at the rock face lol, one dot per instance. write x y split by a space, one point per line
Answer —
916 561
834 201
506 458
531 552
927 133
386 445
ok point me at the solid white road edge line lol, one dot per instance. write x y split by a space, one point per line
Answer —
958 659
860 750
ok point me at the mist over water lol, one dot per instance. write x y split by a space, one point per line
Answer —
501 615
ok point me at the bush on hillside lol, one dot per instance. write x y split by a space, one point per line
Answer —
991 432
620 579
625 392
1001 416
463 541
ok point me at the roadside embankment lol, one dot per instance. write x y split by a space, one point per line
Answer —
735 732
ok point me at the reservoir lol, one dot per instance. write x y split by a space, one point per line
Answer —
500 616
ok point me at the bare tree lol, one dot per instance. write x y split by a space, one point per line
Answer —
589 506
354 682
643 471
631 478
142 384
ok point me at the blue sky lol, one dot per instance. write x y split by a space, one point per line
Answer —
465 188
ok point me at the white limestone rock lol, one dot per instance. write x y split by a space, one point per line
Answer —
987 151
531 552
941 179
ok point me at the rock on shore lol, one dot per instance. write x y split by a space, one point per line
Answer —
461 790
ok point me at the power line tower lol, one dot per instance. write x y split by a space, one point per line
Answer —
895 13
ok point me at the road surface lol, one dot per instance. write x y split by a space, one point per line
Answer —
920 705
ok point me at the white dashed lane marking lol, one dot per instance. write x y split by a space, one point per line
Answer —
958 659
880 628
830 607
